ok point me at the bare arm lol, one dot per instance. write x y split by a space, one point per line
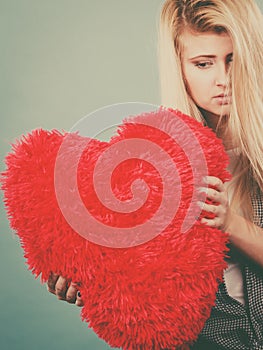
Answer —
246 236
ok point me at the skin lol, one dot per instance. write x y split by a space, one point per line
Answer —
64 290
206 61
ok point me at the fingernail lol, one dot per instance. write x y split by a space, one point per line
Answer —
202 189
201 204
79 294
204 179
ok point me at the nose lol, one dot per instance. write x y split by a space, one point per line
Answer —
222 75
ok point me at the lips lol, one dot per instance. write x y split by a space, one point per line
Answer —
222 95
223 99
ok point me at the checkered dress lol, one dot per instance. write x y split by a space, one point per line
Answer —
232 325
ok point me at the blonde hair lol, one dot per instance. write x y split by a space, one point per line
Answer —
242 20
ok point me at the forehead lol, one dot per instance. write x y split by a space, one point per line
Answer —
209 43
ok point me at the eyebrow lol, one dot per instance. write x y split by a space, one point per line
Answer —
208 56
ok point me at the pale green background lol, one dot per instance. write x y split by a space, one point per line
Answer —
59 61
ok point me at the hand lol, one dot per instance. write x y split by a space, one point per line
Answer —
220 204
64 289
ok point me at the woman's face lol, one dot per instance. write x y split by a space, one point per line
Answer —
206 60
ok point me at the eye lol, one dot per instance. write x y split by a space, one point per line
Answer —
229 59
203 64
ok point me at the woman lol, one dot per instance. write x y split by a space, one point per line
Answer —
211 68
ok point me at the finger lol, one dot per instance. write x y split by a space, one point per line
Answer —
79 301
61 288
52 279
71 294
215 209
215 182
216 222
213 195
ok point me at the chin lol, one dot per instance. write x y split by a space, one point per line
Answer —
220 110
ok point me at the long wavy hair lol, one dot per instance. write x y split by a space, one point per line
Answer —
242 20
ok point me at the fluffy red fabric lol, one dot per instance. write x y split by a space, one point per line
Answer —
156 295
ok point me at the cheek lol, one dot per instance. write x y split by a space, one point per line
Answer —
198 86
192 80
189 81
195 88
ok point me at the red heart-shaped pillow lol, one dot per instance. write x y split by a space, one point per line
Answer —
150 286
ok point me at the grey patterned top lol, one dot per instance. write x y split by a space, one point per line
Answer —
232 325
